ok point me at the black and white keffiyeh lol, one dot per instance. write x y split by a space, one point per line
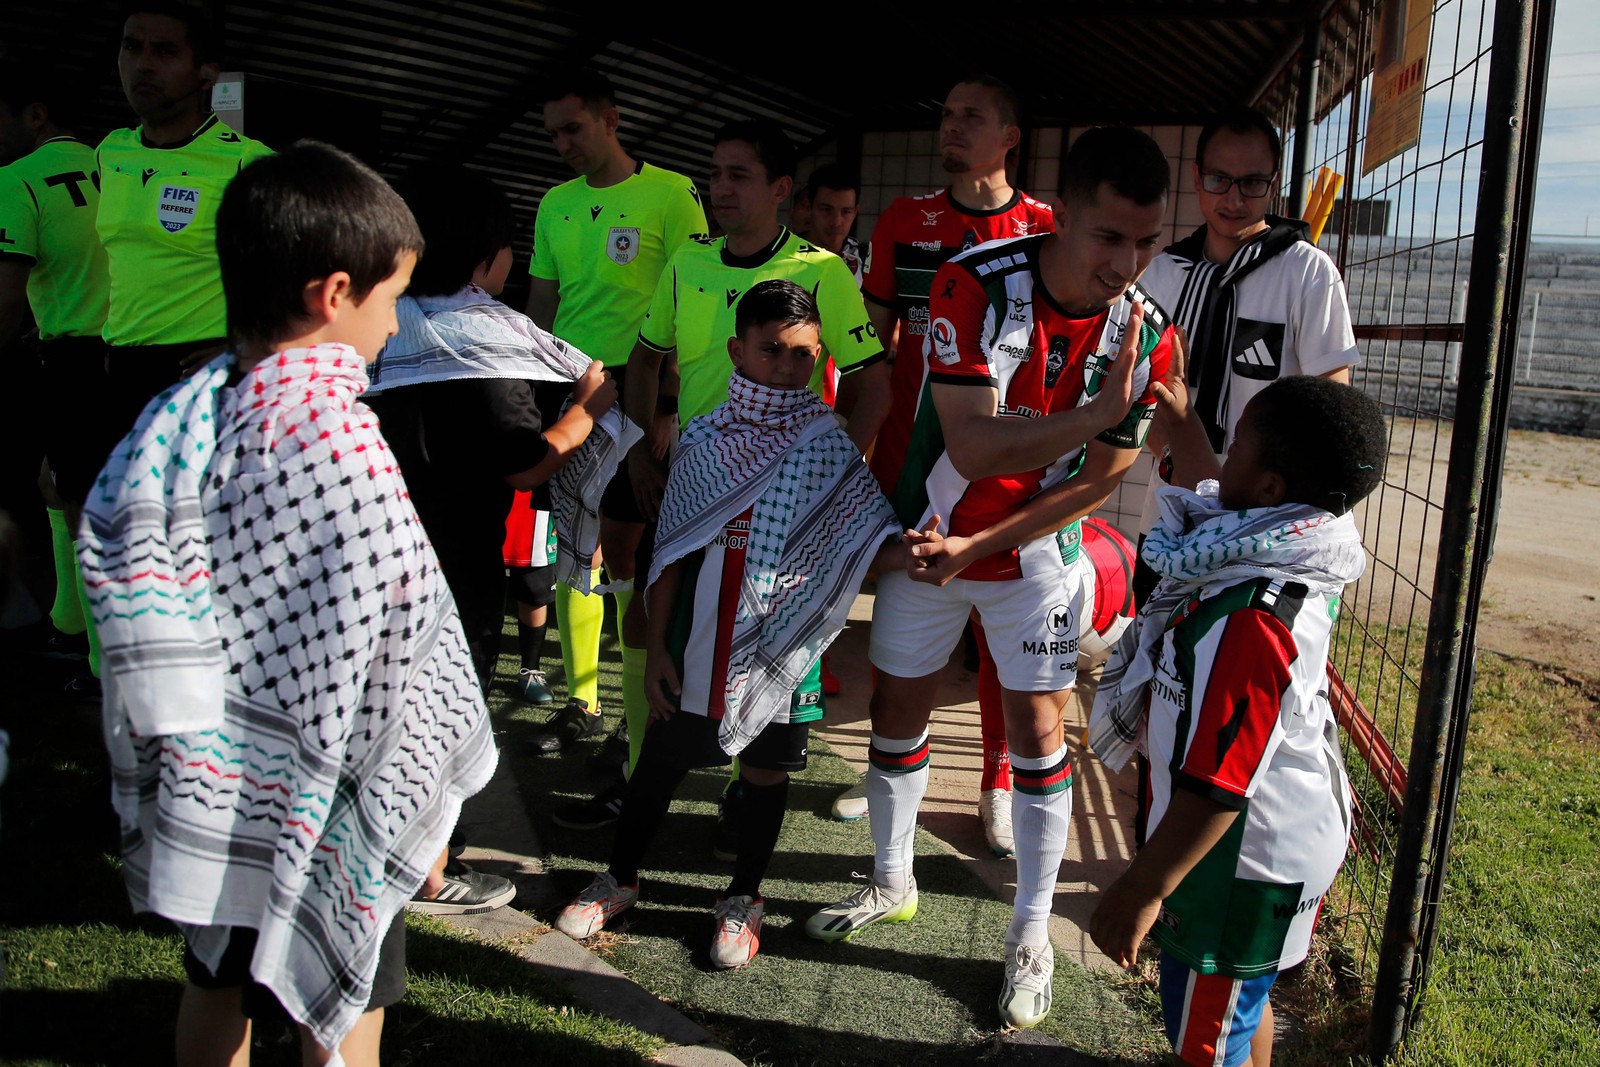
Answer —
1196 544
817 521
251 547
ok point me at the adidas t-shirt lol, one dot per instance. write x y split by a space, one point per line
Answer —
700 634
48 200
693 312
606 249
158 222
1236 716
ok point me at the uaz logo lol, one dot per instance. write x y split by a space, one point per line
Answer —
930 218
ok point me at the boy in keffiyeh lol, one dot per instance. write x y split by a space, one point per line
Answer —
290 707
1223 683
769 522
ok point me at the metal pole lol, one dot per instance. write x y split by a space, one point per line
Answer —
1305 106
1397 985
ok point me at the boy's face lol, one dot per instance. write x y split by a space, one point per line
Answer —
1247 481
367 326
491 275
777 355
743 199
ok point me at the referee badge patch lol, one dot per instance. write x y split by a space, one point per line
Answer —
623 244
177 207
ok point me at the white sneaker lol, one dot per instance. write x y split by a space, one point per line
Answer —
994 811
852 803
1025 998
867 905
738 933
597 905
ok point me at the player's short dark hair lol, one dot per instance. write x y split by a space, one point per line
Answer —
773 147
590 86
833 176
24 81
776 300
1328 440
303 214
1127 159
1006 100
1240 120
465 219
205 40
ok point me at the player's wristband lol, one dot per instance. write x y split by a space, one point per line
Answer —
666 405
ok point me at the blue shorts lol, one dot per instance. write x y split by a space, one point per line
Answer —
1210 1018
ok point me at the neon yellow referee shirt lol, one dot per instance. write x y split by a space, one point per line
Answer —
47 210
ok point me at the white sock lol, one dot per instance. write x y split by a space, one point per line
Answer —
897 780
1041 813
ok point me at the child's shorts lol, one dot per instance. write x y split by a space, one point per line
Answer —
1031 624
1211 1018
690 740
233 971
533 586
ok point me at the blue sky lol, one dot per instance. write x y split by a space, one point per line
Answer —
1569 163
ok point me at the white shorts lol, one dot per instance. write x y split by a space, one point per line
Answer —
1031 624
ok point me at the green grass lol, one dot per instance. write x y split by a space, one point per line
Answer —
87 982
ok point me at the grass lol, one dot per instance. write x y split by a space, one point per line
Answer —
87 982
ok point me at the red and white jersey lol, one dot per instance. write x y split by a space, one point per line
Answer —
912 239
994 325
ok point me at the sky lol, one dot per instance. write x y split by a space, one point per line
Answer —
1568 193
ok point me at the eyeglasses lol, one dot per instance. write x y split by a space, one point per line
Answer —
1219 184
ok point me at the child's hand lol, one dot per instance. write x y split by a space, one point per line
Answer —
594 390
1110 405
660 680
1172 395
1121 920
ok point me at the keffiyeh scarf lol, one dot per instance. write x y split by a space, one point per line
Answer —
291 711
1197 544
817 521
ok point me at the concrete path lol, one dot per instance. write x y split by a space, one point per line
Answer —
1100 843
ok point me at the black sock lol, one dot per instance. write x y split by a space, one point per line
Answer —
759 815
530 644
644 805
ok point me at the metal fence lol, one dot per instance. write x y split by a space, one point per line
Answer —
1436 302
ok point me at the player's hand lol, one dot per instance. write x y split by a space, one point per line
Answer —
935 558
661 686
1173 402
663 434
594 390
648 477
1115 397
1121 920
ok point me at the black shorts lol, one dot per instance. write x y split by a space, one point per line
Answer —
78 429
233 971
690 740
533 586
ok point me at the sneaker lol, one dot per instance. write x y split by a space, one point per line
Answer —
867 905
572 723
612 759
852 803
725 838
830 681
994 811
535 686
595 906
1025 998
602 809
466 892
738 933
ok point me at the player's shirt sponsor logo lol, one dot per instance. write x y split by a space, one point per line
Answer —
1055 358
1095 365
177 207
1061 620
622 244
1023 227
969 240
930 218
943 336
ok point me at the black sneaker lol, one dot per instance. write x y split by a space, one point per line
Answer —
602 809
612 759
572 723
466 892
725 838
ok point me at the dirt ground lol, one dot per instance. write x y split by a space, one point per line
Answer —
1543 599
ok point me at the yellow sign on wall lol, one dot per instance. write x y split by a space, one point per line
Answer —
1399 68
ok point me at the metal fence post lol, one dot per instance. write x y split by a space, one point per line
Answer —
1399 975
